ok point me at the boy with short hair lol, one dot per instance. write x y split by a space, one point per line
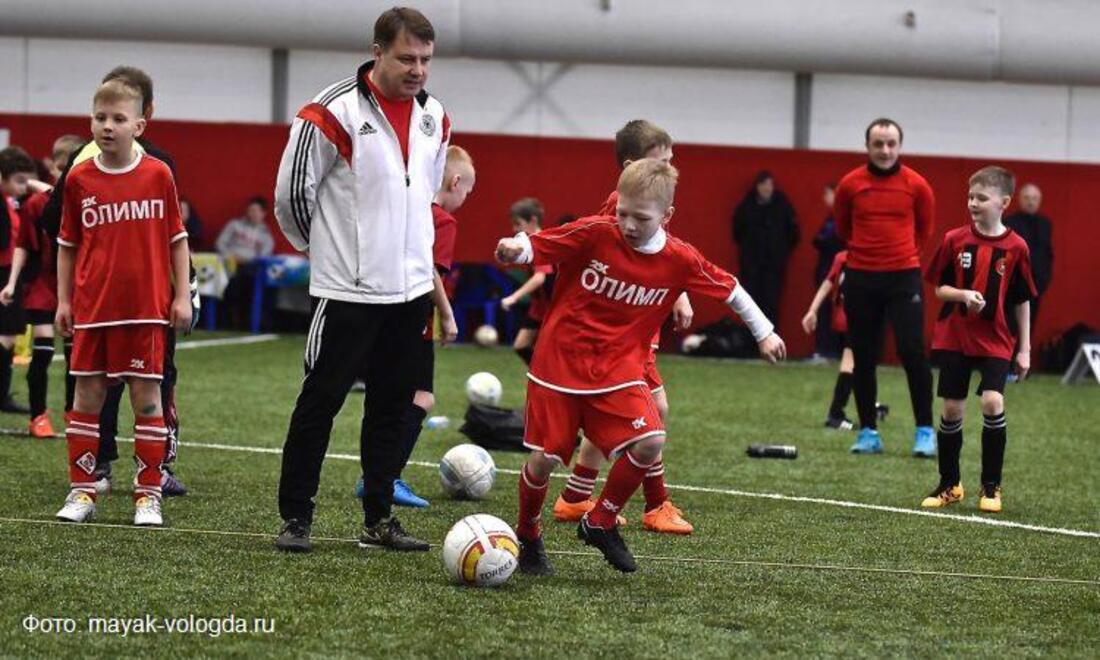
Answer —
982 273
458 183
17 169
526 215
121 244
35 261
617 281
636 140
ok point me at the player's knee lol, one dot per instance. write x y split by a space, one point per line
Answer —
540 466
89 394
424 400
647 451
589 455
953 409
993 403
145 397
661 401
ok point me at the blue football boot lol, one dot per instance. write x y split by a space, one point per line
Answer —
867 442
924 442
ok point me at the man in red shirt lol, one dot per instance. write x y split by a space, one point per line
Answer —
885 212
121 244
982 273
617 282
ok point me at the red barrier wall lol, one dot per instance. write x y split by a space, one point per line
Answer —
222 165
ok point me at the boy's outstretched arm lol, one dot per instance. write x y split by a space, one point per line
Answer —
809 321
771 345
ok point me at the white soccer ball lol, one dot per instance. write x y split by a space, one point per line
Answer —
484 388
481 551
467 472
486 336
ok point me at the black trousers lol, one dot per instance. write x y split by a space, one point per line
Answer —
870 300
108 415
764 282
380 344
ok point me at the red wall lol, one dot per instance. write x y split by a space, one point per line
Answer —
222 165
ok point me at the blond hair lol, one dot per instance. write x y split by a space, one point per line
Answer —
115 90
651 179
457 155
64 146
995 176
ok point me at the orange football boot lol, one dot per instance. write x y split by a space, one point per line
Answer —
41 427
667 519
574 511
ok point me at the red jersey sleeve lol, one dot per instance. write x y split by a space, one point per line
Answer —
835 269
942 269
69 234
172 214
443 250
842 210
706 279
567 242
924 211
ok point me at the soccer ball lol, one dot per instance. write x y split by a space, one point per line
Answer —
481 551
467 472
486 336
483 388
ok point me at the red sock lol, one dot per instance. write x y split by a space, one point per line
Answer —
82 437
580 485
623 479
150 445
532 495
654 486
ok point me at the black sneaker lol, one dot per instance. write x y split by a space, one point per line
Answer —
839 423
294 536
9 405
881 411
609 543
389 534
533 559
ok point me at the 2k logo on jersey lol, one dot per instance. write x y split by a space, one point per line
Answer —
595 278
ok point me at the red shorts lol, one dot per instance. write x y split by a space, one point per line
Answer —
611 421
120 351
652 376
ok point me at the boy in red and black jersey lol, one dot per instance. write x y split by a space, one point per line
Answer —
982 272
526 215
17 169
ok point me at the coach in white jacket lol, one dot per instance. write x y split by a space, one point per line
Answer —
355 188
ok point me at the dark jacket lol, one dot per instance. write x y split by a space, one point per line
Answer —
765 233
1035 229
828 243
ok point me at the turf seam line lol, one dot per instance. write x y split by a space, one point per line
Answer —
208 343
575 553
974 519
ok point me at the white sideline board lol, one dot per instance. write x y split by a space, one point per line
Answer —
1087 359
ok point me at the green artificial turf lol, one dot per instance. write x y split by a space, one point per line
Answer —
740 585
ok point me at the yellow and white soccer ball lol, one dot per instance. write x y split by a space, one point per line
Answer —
467 472
480 551
484 388
486 335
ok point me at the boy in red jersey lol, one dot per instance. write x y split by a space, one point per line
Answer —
121 244
636 140
831 288
526 216
35 263
982 273
17 172
617 281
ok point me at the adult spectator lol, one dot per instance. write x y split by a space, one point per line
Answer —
886 211
828 244
765 230
355 188
242 241
1035 229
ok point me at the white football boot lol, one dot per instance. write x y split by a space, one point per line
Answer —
79 507
147 512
